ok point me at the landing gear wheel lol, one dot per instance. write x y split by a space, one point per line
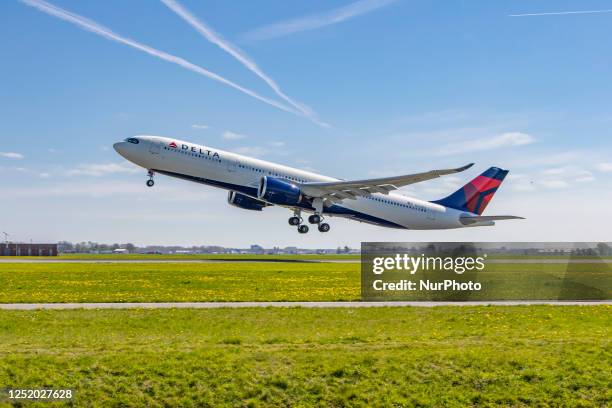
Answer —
294 221
324 227
303 229
150 183
314 219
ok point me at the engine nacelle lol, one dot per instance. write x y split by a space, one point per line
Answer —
245 202
278 191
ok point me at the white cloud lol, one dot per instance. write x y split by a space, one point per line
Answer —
554 184
508 139
570 173
227 135
553 178
605 167
103 169
584 179
556 171
199 126
315 21
277 144
11 155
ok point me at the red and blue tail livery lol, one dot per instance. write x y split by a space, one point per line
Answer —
475 195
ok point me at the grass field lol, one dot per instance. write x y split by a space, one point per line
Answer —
141 282
282 281
445 356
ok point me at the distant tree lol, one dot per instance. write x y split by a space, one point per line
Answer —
604 249
130 247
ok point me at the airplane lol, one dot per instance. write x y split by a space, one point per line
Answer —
255 184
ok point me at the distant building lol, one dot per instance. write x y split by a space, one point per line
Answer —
15 249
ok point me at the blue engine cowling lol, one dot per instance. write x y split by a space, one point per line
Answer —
278 191
245 202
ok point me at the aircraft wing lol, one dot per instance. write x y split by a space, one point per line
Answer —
336 191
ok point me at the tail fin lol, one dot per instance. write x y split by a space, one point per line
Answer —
475 195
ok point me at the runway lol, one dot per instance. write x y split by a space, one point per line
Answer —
312 305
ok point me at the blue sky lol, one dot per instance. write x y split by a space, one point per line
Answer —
405 86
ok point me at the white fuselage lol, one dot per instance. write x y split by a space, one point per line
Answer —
240 173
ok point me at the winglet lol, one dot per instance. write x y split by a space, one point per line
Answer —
452 171
464 168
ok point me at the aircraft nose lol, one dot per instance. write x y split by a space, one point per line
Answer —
119 147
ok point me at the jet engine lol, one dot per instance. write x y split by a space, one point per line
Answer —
245 202
278 191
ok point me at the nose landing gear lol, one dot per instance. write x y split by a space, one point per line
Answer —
150 182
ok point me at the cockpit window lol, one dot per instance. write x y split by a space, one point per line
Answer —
132 140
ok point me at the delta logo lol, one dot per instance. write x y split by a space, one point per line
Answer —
173 145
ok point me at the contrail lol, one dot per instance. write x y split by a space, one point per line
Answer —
560 13
315 21
238 54
96 28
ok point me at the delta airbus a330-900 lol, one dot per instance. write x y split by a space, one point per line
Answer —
254 184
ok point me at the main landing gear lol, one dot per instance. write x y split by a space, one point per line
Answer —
150 182
296 221
315 218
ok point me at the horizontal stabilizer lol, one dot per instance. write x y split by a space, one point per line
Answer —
468 220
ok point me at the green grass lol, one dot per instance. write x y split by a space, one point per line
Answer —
282 281
445 356
159 282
